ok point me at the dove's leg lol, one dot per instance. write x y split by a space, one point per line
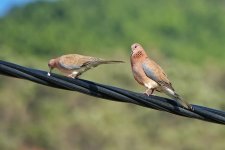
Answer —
149 91
151 86
73 75
70 75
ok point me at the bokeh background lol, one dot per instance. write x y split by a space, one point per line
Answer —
186 37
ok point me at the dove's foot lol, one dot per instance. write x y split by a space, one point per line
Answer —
149 92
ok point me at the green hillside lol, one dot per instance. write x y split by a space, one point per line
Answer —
186 30
186 37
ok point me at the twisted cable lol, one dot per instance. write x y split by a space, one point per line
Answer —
108 92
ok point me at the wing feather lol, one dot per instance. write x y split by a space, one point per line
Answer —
75 61
156 73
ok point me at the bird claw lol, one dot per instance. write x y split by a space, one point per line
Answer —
71 76
149 92
49 74
146 93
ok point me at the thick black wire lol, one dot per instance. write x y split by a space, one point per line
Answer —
110 92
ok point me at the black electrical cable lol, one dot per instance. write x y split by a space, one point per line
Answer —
110 92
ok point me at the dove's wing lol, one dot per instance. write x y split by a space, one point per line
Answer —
156 73
76 62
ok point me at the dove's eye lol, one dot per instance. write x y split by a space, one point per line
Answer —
135 46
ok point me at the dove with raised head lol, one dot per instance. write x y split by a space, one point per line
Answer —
149 74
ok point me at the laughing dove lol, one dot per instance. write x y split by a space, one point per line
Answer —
149 74
73 65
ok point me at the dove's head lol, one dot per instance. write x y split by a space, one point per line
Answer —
52 64
137 50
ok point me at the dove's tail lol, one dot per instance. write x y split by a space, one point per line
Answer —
182 102
174 95
110 61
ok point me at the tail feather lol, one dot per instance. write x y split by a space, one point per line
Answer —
182 102
110 61
174 95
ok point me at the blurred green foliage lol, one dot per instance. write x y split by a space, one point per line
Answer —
186 37
194 27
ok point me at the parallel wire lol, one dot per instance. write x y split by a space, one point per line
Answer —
110 93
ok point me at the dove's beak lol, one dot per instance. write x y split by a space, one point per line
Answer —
50 71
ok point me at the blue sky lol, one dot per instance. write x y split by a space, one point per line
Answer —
7 5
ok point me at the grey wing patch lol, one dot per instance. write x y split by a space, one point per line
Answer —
70 67
148 71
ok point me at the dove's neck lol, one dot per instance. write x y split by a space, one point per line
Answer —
139 54
138 57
